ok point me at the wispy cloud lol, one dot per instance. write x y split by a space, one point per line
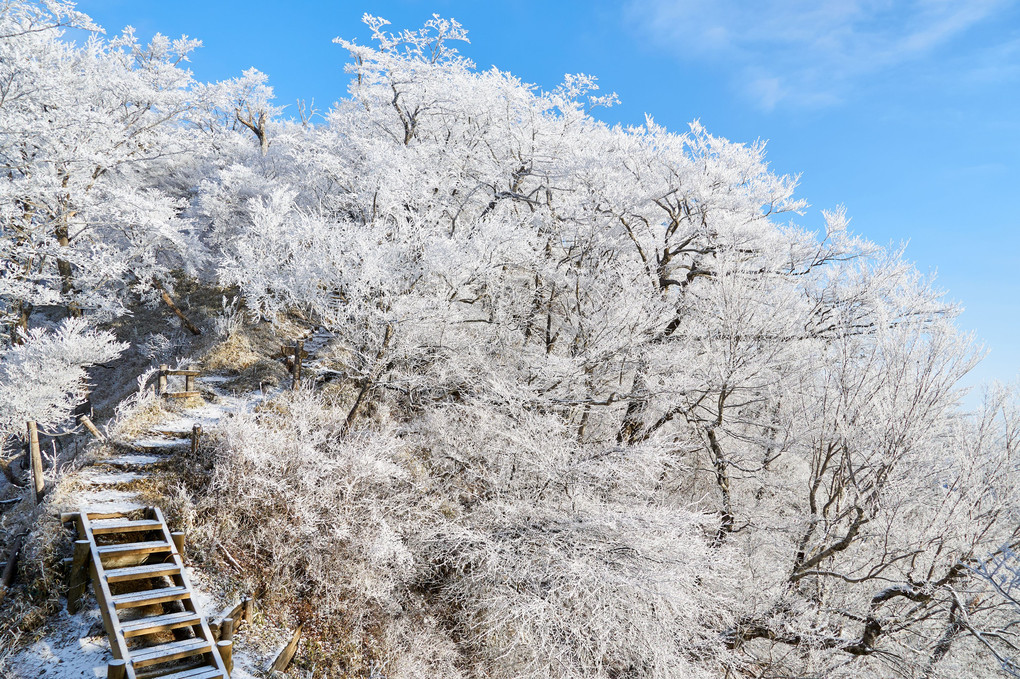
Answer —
806 52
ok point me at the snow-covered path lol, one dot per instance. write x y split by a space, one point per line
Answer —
76 645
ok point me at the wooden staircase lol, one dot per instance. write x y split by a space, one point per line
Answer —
144 596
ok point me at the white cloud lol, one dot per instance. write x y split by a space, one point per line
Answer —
805 52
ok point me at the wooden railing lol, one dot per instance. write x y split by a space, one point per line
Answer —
189 382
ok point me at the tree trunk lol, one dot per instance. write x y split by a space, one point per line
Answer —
64 269
369 380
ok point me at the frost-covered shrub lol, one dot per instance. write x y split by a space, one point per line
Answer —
380 541
315 517
589 590
44 378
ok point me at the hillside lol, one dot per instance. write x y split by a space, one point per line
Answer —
580 400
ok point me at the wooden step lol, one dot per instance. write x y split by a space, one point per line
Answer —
149 596
97 516
154 570
134 548
124 526
142 657
204 672
159 623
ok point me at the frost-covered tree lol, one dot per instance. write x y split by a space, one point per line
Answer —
84 134
585 319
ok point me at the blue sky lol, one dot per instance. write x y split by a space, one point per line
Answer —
905 111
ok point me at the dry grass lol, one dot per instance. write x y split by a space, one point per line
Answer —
265 372
233 354
36 594
138 414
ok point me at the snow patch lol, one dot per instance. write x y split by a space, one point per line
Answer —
66 651
112 479
158 443
132 460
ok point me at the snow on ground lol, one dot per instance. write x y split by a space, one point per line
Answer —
73 646
201 595
105 499
158 442
214 379
130 460
111 479
210 414
76 647
317 340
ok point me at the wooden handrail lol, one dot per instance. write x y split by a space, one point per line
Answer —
189 375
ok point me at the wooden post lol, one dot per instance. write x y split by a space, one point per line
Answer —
87 423
196 432
11 566
161 384
227 629
36 460
117 669
226 651
249 610
78 576
299 349
178 537
189 381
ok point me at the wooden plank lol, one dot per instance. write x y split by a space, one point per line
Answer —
158 623
299 349
142 657
124 526
11 566
87 423
182 394
225 650
286 654
195 673
148 547
238 613
173 307
193 663
151 596
154 570
186 373
227 629
178 538
117 669
99 516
